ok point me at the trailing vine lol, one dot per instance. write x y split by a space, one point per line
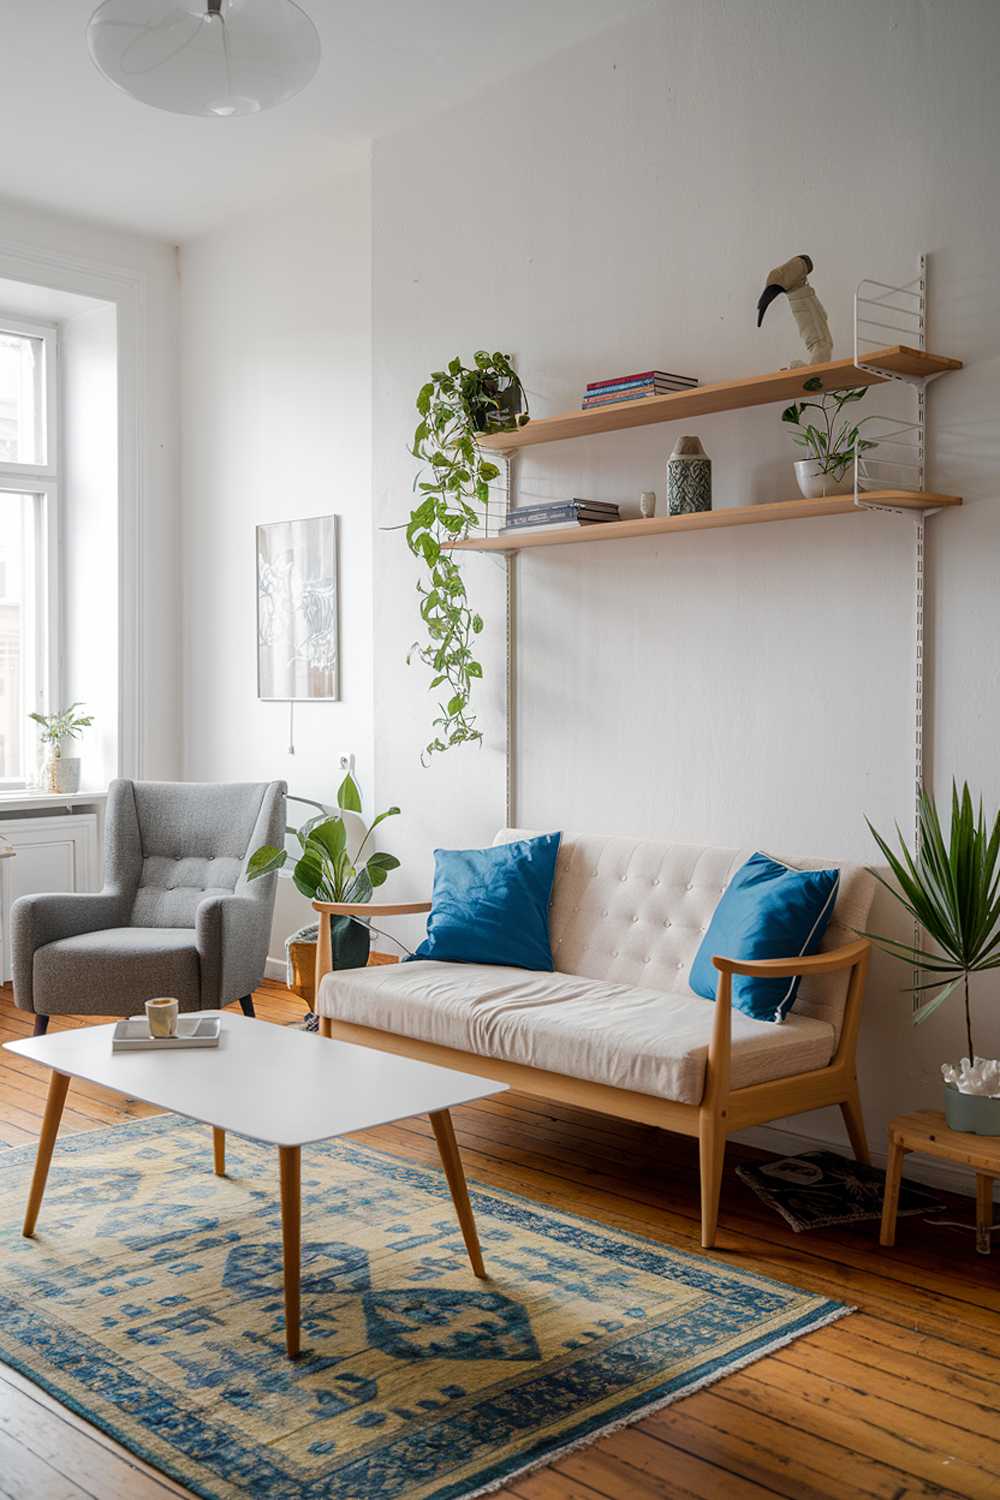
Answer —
455 406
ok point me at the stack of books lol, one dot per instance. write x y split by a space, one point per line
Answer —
559 515
634 387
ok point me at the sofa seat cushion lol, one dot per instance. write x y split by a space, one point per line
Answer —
116 970
647 1040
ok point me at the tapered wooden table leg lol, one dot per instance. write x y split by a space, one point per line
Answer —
984 1212
58 1084
290 1162
219 1150
447 1145
890 1203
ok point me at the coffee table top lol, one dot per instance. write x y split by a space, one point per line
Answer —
267 1082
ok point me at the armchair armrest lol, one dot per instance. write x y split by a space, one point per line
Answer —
231 935
844 957
324 954
41 919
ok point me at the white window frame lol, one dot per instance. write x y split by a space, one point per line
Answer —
41 671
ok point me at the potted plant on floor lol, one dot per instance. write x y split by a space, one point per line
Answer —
455 406
830 440
326 870
952 889
62 772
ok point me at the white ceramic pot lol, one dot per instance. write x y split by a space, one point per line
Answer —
814 484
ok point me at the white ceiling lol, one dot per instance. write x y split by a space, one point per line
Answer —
73 142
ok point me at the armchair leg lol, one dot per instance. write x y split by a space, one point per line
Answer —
246 1006
41 1025
854 1120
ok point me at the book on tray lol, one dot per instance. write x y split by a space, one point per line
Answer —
561 513
611 391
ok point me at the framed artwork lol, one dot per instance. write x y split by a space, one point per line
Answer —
298 644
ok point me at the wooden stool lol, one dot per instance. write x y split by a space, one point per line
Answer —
927 1133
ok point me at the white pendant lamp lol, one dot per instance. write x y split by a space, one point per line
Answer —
205 57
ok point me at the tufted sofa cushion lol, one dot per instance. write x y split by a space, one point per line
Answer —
617 1034
634 912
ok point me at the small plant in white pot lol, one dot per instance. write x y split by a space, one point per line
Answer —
952 889
830 439
62 772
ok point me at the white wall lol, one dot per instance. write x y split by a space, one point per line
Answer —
619 207
136 277
276 377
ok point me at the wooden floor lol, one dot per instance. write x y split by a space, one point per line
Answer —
898 1401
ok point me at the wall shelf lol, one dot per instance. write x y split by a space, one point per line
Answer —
898 362
733 515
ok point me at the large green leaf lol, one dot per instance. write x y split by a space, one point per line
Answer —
330 835
348 796
264 861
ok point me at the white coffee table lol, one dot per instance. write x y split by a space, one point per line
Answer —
268 1083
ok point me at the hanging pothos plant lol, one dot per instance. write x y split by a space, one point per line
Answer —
455 406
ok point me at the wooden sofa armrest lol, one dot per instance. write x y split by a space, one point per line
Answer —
371 908
324 953
844 957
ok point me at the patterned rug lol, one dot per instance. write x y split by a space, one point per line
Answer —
150 1302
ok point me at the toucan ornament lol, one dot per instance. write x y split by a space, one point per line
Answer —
810 314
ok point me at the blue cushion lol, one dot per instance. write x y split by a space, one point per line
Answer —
767 911
491 906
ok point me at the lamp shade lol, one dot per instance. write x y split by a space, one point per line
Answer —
205 57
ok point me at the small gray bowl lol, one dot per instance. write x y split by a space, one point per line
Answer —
976 1113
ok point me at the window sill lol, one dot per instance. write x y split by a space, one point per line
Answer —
22 800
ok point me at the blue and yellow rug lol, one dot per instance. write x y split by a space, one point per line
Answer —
150 1302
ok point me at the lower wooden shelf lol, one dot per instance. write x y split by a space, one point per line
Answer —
733 515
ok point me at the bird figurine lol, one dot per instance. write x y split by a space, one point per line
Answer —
810 314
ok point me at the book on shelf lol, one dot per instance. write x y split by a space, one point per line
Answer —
562 511
571 523
647 377
641 392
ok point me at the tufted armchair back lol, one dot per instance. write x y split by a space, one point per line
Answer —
169 845
634 912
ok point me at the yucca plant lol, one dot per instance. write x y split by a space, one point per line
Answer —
953 890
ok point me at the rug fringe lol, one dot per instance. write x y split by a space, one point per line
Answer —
658 1405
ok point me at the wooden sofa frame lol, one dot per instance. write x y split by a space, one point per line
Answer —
723 1110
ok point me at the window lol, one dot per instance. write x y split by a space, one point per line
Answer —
28 498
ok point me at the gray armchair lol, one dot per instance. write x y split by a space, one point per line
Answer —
177 915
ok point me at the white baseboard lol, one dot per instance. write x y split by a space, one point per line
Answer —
936 1174
275 968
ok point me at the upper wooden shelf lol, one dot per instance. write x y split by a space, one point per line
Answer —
706 520
730 395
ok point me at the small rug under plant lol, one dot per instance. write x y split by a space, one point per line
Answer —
820 1188
150 1302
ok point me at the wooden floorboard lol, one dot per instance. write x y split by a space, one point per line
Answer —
900 1401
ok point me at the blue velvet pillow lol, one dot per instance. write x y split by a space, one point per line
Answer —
767 911
491 906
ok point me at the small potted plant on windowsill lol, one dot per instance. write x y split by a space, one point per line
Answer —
62 772
830 440
952 889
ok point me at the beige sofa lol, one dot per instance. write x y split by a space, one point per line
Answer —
615 1027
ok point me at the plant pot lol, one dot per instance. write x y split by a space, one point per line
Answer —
977 1114
815 485
350 941
67 774
510 404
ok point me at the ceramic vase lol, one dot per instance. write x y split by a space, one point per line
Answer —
689 478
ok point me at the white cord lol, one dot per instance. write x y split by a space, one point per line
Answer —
291 726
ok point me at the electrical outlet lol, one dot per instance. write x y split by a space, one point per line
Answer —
346 761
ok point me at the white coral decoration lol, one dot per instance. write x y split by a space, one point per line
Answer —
979 1077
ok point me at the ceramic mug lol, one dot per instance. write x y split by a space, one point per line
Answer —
161 1016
